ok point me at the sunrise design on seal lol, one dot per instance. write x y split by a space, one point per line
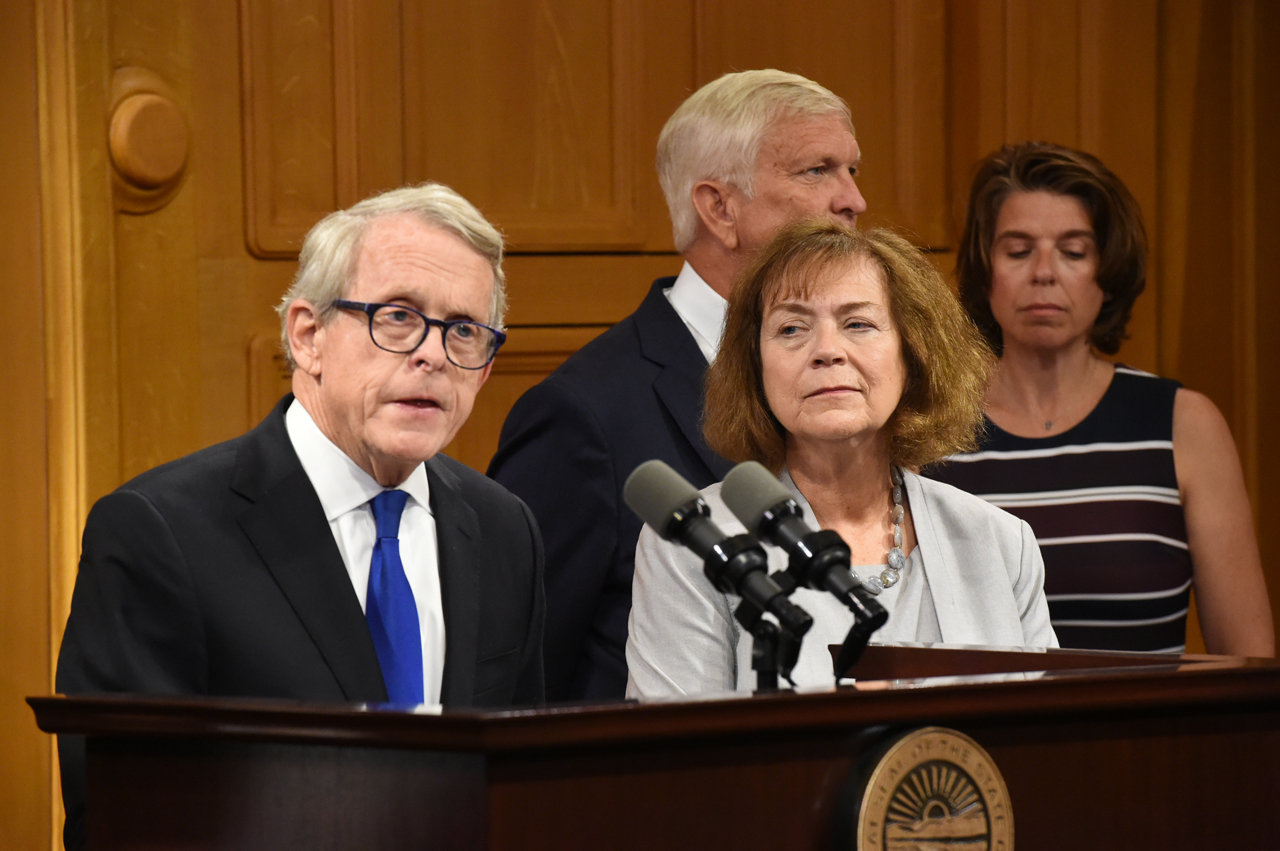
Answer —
937 807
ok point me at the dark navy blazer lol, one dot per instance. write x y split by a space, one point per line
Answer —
632 394
217 574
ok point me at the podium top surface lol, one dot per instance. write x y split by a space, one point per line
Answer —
896 685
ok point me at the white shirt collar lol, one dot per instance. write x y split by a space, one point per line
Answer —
339 482
701 308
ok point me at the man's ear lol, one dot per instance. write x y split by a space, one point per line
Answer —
717 206
302 322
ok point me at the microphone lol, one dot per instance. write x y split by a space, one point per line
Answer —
818 559
737 565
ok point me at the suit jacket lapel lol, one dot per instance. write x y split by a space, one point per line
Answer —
937 558
682 397
457 531
666 341
287 527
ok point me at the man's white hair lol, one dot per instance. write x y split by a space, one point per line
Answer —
327 262
716 135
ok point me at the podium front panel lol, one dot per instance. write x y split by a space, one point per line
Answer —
1184 754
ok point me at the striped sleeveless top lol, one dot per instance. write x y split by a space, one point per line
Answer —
1103 501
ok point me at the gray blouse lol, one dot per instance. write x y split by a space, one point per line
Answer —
975 577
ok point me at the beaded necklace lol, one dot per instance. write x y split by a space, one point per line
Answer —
897 560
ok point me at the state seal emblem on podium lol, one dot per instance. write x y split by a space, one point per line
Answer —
929 789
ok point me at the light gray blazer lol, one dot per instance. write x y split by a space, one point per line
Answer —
979 573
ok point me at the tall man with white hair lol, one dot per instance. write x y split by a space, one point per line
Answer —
331 553
741 157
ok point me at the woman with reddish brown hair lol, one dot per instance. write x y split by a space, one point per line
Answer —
846 362
1132 483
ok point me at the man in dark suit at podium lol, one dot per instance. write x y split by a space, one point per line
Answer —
743 155
331 554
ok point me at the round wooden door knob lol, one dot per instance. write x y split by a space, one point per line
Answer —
149 140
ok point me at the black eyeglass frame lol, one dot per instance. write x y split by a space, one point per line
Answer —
369 308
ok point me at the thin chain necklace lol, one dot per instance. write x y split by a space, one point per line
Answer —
897 560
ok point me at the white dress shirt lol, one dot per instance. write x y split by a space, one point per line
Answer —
701 308
345 491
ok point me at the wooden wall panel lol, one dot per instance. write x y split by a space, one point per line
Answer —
290 121
1119 92
157 308
368 98
529 355
1198 171
1218 214
322 112
26 755
84 377
887 59
1119 103
1180 61
1264 77
541 132
1042 49
580 289
538 112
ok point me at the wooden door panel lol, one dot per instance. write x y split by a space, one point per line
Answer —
323 112
530 110
290 122
533 111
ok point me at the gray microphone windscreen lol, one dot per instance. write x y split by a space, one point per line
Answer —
750 490
655 492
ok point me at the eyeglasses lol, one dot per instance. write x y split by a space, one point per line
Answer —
400 329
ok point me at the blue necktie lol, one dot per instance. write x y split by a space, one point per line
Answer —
390 608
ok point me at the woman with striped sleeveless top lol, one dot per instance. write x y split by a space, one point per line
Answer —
1131 483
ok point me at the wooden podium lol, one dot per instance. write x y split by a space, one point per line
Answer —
1098 751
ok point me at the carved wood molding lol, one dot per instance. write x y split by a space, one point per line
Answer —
76 250
148 140
290 121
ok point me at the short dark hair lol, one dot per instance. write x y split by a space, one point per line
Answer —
947 362
1113 213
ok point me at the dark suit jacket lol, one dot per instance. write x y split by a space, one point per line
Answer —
217 574
567 447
